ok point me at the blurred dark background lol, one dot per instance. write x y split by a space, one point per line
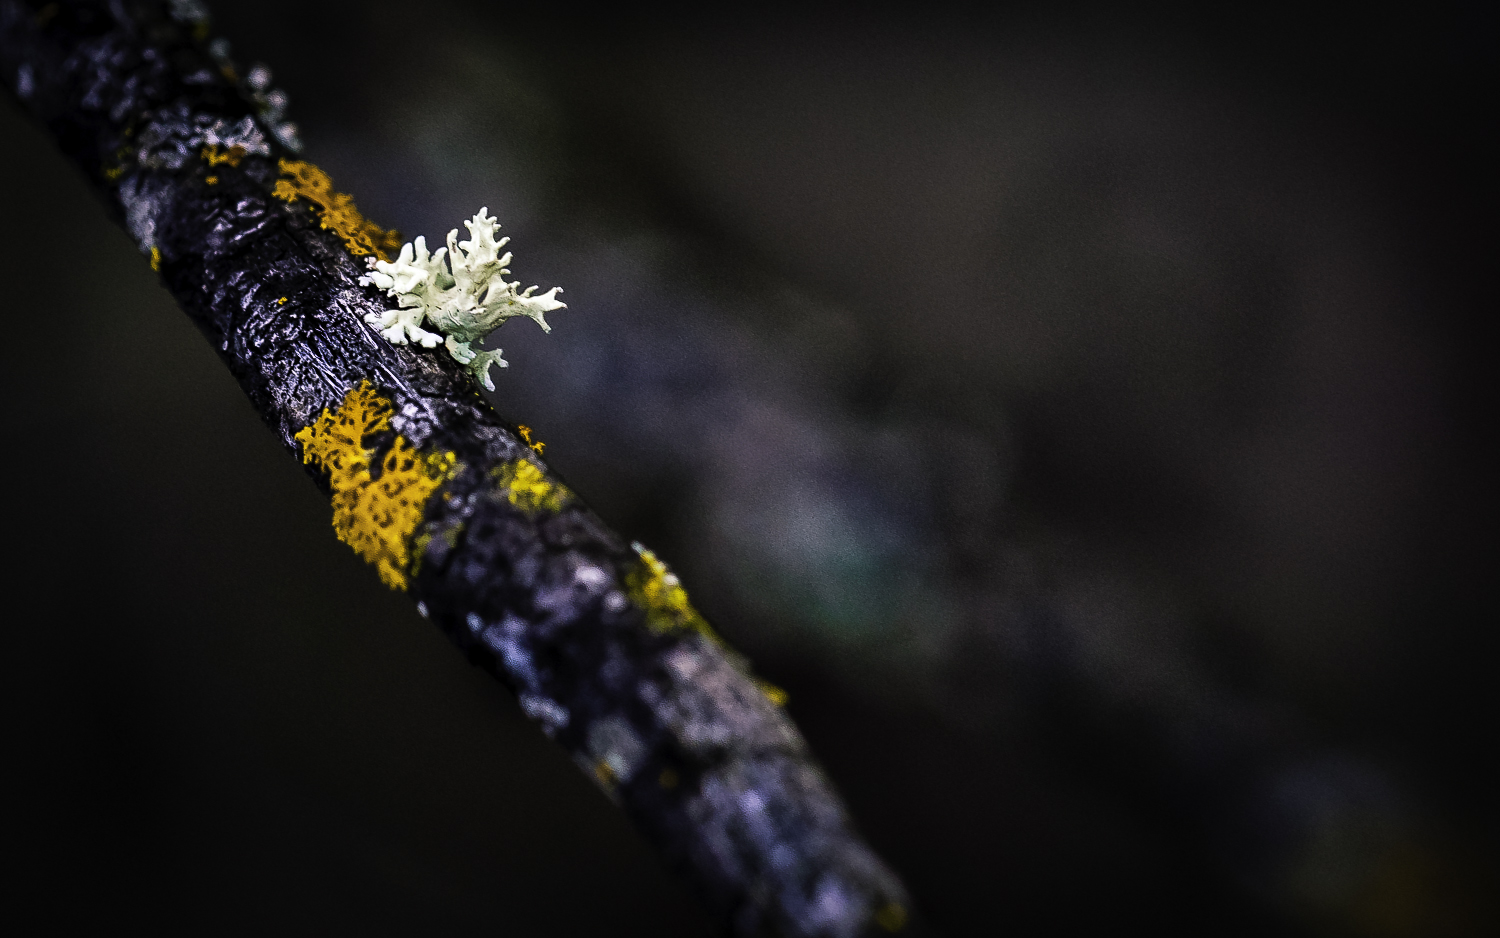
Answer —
1077 411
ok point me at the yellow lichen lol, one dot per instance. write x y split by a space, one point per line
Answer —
211 180
336 211
658 591
214 156
527 487
122 155
155 257
374 513
449 534
536 445
773 693
605 773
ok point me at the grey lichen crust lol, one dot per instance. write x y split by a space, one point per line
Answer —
667 720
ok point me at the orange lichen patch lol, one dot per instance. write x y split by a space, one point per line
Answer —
336 211
375 513
891 916
536 445
657 590
527 487
214 156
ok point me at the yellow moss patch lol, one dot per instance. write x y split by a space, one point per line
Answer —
375 516
336 211
214 156
528 488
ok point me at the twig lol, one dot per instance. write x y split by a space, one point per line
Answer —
596 637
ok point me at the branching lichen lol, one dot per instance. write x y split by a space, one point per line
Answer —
374 512
336 210
465 303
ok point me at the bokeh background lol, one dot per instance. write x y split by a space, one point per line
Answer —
1076 411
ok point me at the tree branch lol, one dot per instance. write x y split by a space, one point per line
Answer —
596 638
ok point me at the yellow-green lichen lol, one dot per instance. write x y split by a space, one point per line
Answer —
376 513
773 693
449 534
655 588
121 165
527 487
335 210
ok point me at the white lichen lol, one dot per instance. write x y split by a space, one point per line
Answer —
465 303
